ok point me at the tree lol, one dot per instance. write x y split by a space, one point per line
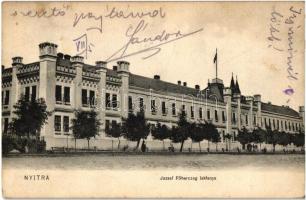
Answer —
136 127
299 139
259 136
243 137
283 139
115 132
85 125
215 136
272 137
160 132
31 116
197 133
181 133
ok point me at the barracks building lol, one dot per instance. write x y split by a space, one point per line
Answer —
67 84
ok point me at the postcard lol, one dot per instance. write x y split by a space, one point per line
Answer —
153 99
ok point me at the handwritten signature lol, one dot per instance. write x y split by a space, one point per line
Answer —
161 39
115 13
277 21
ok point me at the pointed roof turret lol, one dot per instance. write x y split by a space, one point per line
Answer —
232 86
237 86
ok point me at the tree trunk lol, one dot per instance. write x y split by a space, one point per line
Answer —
200 146
191 146
216 146
112 145
208 143
88 143
260 146
182 145
75 144
163 145
273 147
118 144
138 142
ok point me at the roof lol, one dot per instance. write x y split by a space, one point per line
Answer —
159 85
279 109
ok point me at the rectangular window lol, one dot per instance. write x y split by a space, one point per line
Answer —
285 125
130 103
200 113
106 124
254 120
107 100
183 110
246 120
273 124
164 108
289 126
6 124
58 93
114 123
141 106
57 123
223 116
67 95
234 118
33 95
277 123
173 109
2 100
265 122
84 97
92 97
281 124
153 109
27 93
208 114
66 124
7 97
191 112
216 116
270 123
114 101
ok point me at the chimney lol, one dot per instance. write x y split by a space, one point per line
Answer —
60 55
156 77
197 87
115 68
185 84
179 82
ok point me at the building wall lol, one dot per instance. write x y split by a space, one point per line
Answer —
77 79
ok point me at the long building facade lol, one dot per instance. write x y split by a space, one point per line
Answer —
68 84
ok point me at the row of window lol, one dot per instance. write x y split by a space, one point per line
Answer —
62 96
283 125
5 97
61 126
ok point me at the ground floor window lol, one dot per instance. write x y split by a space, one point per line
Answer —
57 123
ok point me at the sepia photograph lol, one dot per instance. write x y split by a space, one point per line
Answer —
153 99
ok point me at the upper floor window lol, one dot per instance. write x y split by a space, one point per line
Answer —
33 95
130 103
164 111
234 118
153 108
7 97
92 97
67 95
191 112
223 116
27 93
246 120
58 93
173 109
208 114
200 113
216 116
107 100
141 105
254 120
84 97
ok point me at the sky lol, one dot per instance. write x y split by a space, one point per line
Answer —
254 40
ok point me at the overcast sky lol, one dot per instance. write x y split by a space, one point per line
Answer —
240 31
